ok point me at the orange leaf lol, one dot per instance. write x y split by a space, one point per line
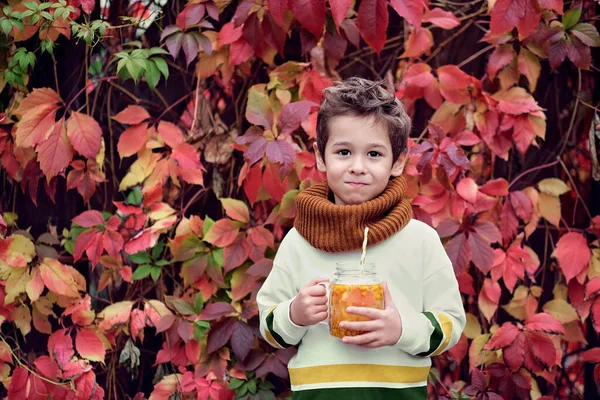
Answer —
114 315
419 42
85 134
236 209
38 97
132 115
55 153
89 345
58 278
454 83
170 133
36 125
442 18
222 233
132 140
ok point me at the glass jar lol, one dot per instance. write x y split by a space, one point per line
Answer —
353 285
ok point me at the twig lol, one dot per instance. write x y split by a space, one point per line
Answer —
108 78
196 100
192 200
173 105
474 56
573 115
574 186
522 174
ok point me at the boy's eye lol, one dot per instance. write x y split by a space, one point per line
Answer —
344 152
374 154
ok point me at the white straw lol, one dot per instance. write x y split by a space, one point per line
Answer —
364 248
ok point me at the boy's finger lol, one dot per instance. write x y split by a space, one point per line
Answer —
322 316
387 297
316 281
360 339
320 308
372 313
316 290
358 325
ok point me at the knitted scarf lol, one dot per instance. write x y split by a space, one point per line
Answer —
335 228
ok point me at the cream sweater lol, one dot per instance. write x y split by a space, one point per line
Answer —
422 283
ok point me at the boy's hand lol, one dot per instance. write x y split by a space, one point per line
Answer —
310 305
384 329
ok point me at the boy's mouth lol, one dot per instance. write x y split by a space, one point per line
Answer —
356 184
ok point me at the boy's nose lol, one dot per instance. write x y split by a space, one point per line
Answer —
358 167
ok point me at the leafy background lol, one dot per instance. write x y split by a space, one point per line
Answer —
151 153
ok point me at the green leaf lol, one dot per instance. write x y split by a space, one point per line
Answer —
156 50
252 386
157 250
31 5
162 66
47 46
571 18
152 74
6 26
135 197
208 223
161 263
218 256
27 13
155 273
200 328
235 383
135 67
140 258
47 15
199 303
141 272
18 24
44 6
34 19
242 390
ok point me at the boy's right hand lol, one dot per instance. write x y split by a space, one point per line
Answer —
310 305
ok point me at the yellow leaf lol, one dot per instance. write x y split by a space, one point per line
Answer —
58 278
553 187
140 169
522 305
594 269
574 333
16 284
561 310
478 356
549 207
17 251
22 319
114 315
536 291
560 291
473 327
539 126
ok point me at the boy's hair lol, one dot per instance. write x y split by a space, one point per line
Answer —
360 97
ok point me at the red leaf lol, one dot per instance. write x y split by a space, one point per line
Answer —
89 241
310 13
508 222
507 14
170 133
236 209
514 355
557 52
488 231
277 9
222 233
47 367
191 15
190 47
18 388
573 254
60 347
230 34
88 219
543 322
273 184
252 183
372 22
132 115
141 241
578 52
521 204
55 153
411 10
592 355
467 189
216 310
501 57
503 337
592 288
235 254
339 10
465 284
419 74
459 252
58 277
282 152
442 18
261 268
419 42
242 339
85 134
556 5
39 111
292 114
495 187
132 140
454 83
219 334
240 51
88 388
542 349
447 227
481 252
89 345
113 243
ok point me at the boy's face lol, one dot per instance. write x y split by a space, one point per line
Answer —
358 159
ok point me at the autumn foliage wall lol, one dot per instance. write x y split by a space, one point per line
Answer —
150 157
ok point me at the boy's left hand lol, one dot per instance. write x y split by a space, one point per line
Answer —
384 329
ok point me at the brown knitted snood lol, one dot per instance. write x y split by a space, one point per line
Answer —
335 228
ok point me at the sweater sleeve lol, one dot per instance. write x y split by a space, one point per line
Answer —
274 299
439 325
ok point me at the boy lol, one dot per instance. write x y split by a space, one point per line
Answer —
362 133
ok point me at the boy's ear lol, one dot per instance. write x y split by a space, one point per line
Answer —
319 158
398 166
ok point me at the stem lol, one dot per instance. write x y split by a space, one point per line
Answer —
173 105
573 115
195 116
474 56
522 174
192 200
108 78
55 75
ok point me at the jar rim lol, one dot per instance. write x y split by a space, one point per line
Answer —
354 268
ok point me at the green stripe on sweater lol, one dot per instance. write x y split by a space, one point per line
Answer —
276 336
362 393
436 337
